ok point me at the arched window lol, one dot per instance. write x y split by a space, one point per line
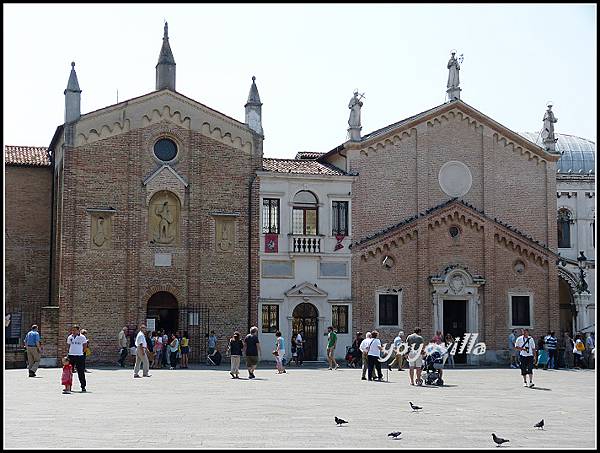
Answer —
305 214
565 220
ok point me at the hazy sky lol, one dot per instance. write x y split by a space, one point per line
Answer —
307 59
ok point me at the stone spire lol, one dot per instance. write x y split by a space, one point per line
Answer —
72 98
254 109
165 68
548 136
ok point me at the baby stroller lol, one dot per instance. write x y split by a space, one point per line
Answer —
431 364
353 357
214 359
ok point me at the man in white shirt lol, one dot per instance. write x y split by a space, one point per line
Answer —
373 354
364 348
77 345
299 348
526 347
140 354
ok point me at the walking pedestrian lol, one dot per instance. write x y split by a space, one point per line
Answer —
450 341
34 350
185 349
373 355
158 351
552 345
86 351
526 347
124 347
173 349
568 353
415 361
356 353
331 343
141 356
252 351
279 352
77 343
399 357
364 349
67 375
236 345
212 342
542 355
300 348
578 351
514 354
150 349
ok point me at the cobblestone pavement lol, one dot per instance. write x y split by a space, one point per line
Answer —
205 408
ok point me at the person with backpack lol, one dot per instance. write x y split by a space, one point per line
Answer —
526 347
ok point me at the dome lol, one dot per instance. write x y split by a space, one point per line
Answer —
578 154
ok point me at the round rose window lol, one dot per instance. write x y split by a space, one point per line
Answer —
165 149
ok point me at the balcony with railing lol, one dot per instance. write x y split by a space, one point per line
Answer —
305 244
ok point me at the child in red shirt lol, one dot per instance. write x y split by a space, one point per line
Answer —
67 375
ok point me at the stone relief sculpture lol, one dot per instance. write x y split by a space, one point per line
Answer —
163 218
225 235
100 231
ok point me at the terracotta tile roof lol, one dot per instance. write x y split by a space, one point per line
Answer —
35 156
301 166
308 155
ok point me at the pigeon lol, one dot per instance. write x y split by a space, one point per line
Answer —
499 440
539 424
395 434
339 421
414 408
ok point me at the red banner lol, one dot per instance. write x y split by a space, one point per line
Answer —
271 242
339 238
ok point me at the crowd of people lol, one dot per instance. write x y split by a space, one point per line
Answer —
158 349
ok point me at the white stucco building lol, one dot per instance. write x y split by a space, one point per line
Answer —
305 233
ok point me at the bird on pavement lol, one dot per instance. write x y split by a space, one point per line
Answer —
539 424
414 407
499 440
395 434
339 421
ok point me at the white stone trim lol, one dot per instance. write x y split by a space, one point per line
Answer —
510 320
153 175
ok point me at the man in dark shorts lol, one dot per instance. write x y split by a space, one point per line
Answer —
526 347
252 351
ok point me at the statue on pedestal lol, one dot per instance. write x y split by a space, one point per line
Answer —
354 105
453 76
548 130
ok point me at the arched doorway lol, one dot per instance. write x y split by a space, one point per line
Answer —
163 307
305 318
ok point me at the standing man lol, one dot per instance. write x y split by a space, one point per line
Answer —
552 345
568 354
34 350
77 344
589 346
252 351
415 343
212 342
141 357
300 348
526 345
364 349
514 354
331 342
399 358
123 345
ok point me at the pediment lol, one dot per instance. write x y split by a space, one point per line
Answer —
160 106
306 289
457 109
452 211
165 178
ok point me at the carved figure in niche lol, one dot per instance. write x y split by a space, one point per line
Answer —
225 235
163 218
100 236
164 225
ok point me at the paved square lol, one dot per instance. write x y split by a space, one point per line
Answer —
202 408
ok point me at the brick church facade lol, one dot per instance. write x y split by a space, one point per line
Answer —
150 209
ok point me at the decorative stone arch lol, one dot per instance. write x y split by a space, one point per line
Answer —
568 277
457 283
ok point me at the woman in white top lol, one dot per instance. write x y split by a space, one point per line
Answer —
373 354
279 352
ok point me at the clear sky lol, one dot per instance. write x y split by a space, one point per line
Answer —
307 60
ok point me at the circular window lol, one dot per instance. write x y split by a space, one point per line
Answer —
165 149
454 231
455 178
